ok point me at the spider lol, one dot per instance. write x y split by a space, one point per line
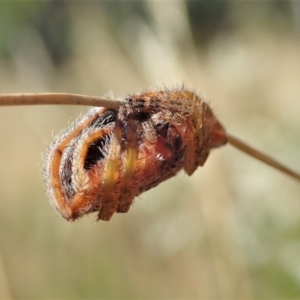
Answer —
104 160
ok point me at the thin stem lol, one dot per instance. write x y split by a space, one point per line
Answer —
260 156
58 99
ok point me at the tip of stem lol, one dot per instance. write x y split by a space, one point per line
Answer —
242 146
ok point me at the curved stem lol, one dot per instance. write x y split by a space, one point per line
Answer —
58 99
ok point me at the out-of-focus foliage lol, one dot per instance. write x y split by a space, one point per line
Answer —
230 231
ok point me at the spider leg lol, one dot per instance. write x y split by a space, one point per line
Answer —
52 166
128 186
87 184
112 179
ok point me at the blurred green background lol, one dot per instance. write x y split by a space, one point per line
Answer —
232 230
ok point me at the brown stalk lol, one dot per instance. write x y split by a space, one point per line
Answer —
76 99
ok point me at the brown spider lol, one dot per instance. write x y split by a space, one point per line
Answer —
105 159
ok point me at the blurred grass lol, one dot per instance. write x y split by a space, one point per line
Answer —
231 231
